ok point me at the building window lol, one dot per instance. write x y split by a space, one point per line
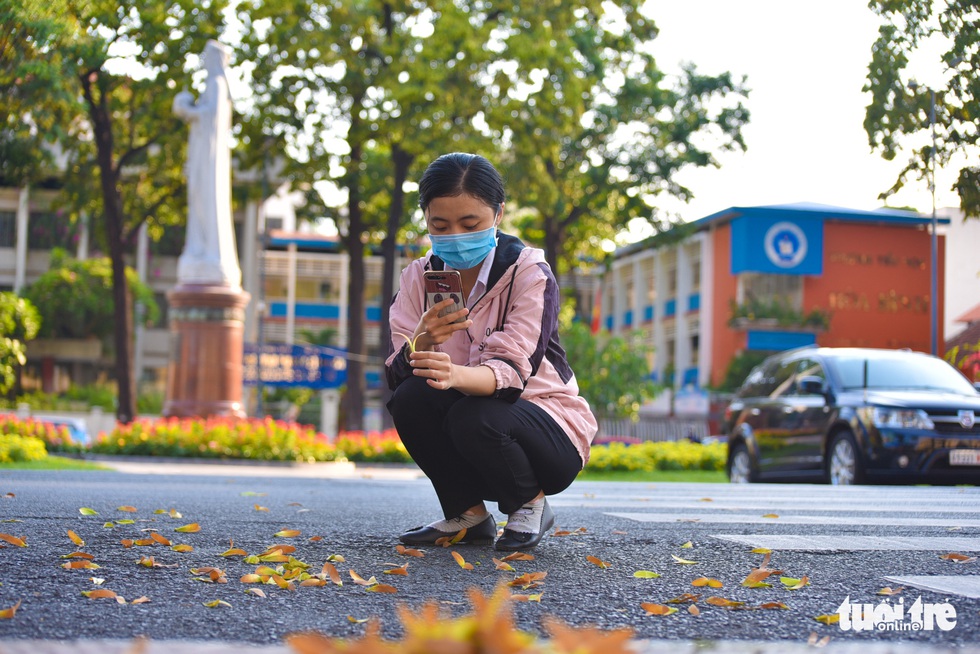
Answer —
696 274
768 287
8 229
47 230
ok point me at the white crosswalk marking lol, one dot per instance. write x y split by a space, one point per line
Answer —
846 543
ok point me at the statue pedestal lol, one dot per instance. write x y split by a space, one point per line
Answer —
207 328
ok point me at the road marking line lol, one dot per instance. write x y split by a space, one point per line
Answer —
855 543
755 519
963 585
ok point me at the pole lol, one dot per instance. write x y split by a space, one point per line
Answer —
259 388
934 304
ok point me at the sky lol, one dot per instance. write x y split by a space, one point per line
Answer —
806 63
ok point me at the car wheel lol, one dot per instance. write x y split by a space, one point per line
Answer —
844 466
740 469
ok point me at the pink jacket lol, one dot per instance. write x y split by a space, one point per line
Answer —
514 333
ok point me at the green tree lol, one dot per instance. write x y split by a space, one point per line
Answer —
119 62
594 131
19 323
899 112
75 300
611 371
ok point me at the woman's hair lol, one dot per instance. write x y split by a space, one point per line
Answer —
457 173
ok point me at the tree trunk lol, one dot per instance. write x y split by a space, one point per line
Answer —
115 227
401 161
356 387
553 236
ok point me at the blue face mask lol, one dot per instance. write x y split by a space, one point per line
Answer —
464 251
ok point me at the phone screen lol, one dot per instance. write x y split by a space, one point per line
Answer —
440 285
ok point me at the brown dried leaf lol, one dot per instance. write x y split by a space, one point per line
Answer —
657 609
597 561
13 540
361 581
9 612
773 605
141 600
381 588
700 582
78 555
182 548
686 598
287 533
163 540
957 557
331 571
75 538
461 561
258 592
80 565
397 569
99 593
694 610
408 551
721 601
888 590
127 509
192 528
502 565
518 556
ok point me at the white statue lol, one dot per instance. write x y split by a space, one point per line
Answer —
209 255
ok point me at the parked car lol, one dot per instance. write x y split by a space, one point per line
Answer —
851 415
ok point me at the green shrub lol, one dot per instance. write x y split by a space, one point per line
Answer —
18 449
650 456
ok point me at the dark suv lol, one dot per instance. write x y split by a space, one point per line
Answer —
849 415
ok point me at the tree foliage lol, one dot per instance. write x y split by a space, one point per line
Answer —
74 298
19 323
899 113
111 67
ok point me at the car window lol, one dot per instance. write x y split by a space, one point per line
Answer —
761 381
784 380
901 372
810 368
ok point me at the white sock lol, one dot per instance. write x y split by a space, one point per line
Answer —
527 519
462 521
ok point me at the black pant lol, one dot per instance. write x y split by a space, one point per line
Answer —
481 448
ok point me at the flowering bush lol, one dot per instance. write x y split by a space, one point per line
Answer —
650 456
54 438
383 447
14 448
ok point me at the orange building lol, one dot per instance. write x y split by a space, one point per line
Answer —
763 279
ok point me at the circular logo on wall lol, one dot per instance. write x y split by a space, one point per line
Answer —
785 244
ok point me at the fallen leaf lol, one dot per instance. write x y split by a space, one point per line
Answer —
706 581
795 584
657 609
381 588
278 549
646 574
99 593
351 618
762 550
828 618
75 538
619 532
234 551
9 496
127 542
502 565
261 508
688 545
597 561
163 540
397 569
98 581
361 581
958 558
258 592
9 612
773 605
528 580
13 540
518 556
563 532
182 548
87 511
461 561
681 561
721 601
888 590
108 525
252 578
253 494
534 597
770 515
336 558
127 509
694 610
287 533
192 528
78 555
213 604
126 521
141 600
408 551
755 579
80 565
686 598
814 642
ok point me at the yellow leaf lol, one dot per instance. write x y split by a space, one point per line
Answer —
773 605
828 618
518 556
381 588
721 601
278 549
261 508
127 509
213 604
597 561
771 515
144 542
688 545
78 555
408 551
528 580
235 551
182 548
87 511
681 561
287 533
657 609
126 521
534 597
795 584
80 565
461 561
252 578
686 598
192 528
258 592
9 612
762 550
706 581
351 618
13 540
503 565
75 538
253 494
174 513
108 525
163 540
888 590
646 574
397 569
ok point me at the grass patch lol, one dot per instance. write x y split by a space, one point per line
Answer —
53 463
698 476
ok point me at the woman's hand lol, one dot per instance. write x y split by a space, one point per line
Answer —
436 367
433 330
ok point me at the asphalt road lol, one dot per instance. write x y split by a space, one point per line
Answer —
849 542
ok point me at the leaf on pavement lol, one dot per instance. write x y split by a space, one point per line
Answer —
125 521
182 548
795 584
361 581
253 494
127 509
408 551
773 605
278 549
75 538
528 580
9 612
700 582
646 574
772 516
461 561
87 511
381 588
78 555
99 593
127 542
315 539
192 528
80 565
287 533
686 598
213 604
141 600
681 561
957 557
234 551
828 618
694 610
657 609
261 508
330 570
397 569
258 592
888 590
755 579
150 562
351 618
502 565
518 556
762 550
725 603
13 540
688 545
163 540
598 562
533 597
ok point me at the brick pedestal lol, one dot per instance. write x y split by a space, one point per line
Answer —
207 329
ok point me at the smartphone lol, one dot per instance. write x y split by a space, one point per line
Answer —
442 284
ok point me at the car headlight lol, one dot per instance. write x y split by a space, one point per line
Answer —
901 418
